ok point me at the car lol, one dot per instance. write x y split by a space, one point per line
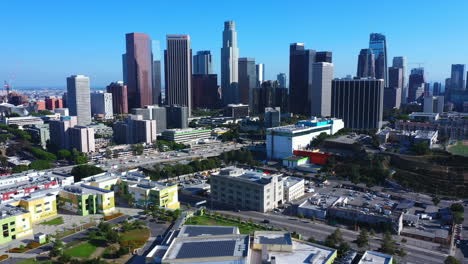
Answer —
266 221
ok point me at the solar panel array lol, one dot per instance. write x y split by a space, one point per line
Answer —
206 249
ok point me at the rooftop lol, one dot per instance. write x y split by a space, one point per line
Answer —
7 211
84 189
272 238
247 175
201 230
290 181
295 158
375 258
218 249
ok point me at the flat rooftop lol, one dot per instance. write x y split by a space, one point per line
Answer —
272 238
291 181
247 175
303 252
372 257
84 189
201 230
212 249
295 158
7 211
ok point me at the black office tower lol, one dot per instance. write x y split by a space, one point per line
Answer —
300 78
366 64
323 56
359 102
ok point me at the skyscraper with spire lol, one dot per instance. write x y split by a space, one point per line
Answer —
229 64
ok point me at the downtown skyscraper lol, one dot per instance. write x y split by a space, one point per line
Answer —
378 45
79 99
300 78
247 80
366 64
157 97
320 93
457 77
400 62
139 65
416 84
282 80
229 64
202 62
178 71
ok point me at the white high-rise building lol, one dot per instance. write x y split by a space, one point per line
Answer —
320 90
82 138
101 104
433 104
400 62
229 64
260 70
79 99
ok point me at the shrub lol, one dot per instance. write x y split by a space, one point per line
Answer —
3 257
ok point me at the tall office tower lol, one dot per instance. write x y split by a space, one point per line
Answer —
269 95
82 139
124 68
135 130
300 78
359 102
282 80
433 104
378 45
467 80
139 70
247 80
59 131
177 116
145 113
202 62
260 72
324 56
158 113
416 84
395 77
229 64
320 93
448 81
119 97
400 62
205 91
101 104
64 99
394 89
178 71
437 88
366 64
457 77
78 98
156 72
427 89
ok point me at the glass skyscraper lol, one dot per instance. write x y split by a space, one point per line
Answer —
229 64
378 45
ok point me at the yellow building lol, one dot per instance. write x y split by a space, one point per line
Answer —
41 205
84 200
148 192
15 223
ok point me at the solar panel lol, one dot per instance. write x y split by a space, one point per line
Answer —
206 249
283 240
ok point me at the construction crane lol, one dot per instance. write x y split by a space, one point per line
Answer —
7 87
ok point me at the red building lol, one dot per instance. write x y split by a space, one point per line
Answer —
51 103
119 97
205 91
318 158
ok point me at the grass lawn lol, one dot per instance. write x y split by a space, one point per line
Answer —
136 234
208 220
31 261
55 221
82 250
459 149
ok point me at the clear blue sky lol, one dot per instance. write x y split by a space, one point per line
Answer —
43 42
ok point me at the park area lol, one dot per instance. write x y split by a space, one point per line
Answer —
219 220
459 148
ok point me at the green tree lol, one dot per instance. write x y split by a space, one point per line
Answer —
457 207
388 245
81 160
137 149
57 248
40 165
363 239
343 249
63 154
83 171
421 148
334 238
20 168
436 200
452 260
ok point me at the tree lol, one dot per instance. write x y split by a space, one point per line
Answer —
452 260
63 154
388 245
363 239
343 249
436 200
334 238
40 165
457 207
80 160
108 153
83 171
57 248
421 148
137 149
20 168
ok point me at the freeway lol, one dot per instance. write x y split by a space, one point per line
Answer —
417 251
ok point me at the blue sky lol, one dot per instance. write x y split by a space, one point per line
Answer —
43 42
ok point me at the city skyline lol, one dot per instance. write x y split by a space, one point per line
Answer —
93 47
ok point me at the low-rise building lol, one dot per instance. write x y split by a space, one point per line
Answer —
295 161
269 247
23 121
15 223
105 180
85 200
282 141
372 257
317 206
159 194
293 188
408 137
247 189
236 110
41 205
208 249
187 135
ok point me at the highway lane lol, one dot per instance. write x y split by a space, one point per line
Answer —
319 231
